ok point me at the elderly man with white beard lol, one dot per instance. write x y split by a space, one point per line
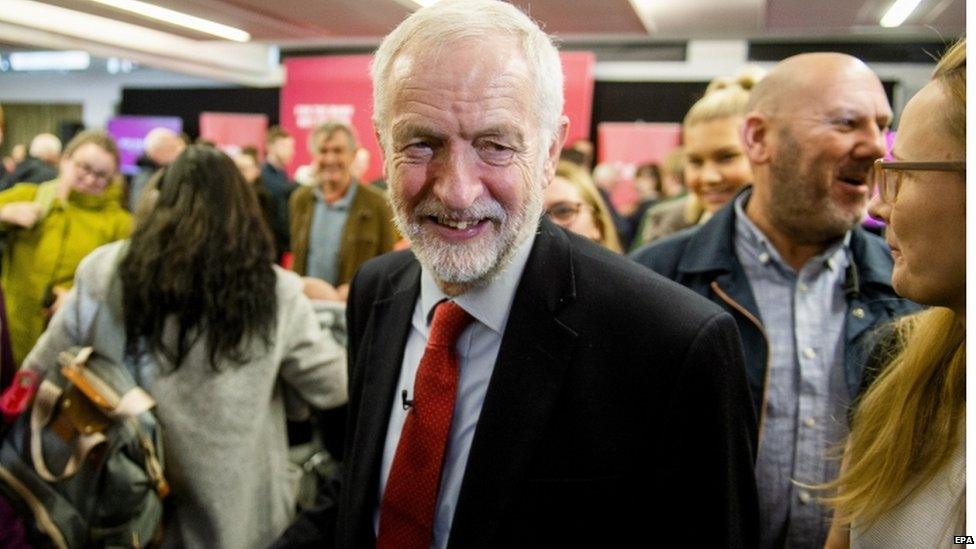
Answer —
513 384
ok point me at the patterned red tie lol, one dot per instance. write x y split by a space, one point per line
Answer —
407 510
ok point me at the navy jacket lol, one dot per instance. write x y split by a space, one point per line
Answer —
703 259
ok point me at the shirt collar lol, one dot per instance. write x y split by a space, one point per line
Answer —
344 202
488 304
754 242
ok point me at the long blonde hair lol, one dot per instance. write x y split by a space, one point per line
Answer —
911 419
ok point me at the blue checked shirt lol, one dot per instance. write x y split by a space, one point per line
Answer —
328 224
803 314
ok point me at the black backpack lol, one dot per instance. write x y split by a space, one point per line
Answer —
83 463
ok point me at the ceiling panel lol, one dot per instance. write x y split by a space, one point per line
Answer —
295 24
931 17
581 17
285 20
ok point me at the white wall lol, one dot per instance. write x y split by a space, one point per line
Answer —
97 91
708 59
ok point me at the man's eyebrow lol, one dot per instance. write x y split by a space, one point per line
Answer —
409 130
503 130
857 113
845 111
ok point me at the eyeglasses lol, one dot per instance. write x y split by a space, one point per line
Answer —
87 170
886 176
564 212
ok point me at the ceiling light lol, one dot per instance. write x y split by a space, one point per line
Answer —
644 10
49 61
416 4
899 12
177 18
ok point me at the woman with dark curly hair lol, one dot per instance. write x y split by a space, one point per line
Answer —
221 334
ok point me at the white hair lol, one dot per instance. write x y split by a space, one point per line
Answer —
46 147
434 29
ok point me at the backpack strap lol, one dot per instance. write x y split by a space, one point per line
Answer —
45 402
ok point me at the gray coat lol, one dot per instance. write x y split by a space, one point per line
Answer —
225 442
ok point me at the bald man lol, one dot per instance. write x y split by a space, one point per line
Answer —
40 165
805 283
160 147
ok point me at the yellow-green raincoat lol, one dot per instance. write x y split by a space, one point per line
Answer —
48 253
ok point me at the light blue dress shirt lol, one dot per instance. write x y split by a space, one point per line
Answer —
477 349
328 225
803 314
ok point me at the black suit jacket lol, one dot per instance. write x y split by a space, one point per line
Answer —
617 410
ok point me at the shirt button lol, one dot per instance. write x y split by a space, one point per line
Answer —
764 258
802 287
804 497
810 422
809 352
858 312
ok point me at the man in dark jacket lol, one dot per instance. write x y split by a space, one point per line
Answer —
280 151
40 165
512 385
804 282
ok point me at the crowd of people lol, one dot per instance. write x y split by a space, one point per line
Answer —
760 370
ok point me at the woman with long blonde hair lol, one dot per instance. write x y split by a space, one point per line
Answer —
903 479
715 165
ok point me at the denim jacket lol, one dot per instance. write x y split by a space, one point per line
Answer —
703 259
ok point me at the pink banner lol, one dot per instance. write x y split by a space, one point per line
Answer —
578 92
231 132
317 89
337 87
636 143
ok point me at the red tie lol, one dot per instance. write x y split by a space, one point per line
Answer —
407 511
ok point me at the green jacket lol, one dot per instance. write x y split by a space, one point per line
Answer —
46 255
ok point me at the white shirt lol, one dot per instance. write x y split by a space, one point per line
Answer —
477 349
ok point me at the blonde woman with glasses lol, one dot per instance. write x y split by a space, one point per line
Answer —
903 480
572 201
50 227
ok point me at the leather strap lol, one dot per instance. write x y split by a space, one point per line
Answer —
45 403
134 402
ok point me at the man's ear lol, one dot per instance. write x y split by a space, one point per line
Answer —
555 147
755 135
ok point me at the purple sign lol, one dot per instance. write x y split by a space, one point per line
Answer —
129 131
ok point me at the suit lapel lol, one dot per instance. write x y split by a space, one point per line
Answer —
383 346
535 351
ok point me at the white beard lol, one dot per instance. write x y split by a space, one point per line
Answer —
473 263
